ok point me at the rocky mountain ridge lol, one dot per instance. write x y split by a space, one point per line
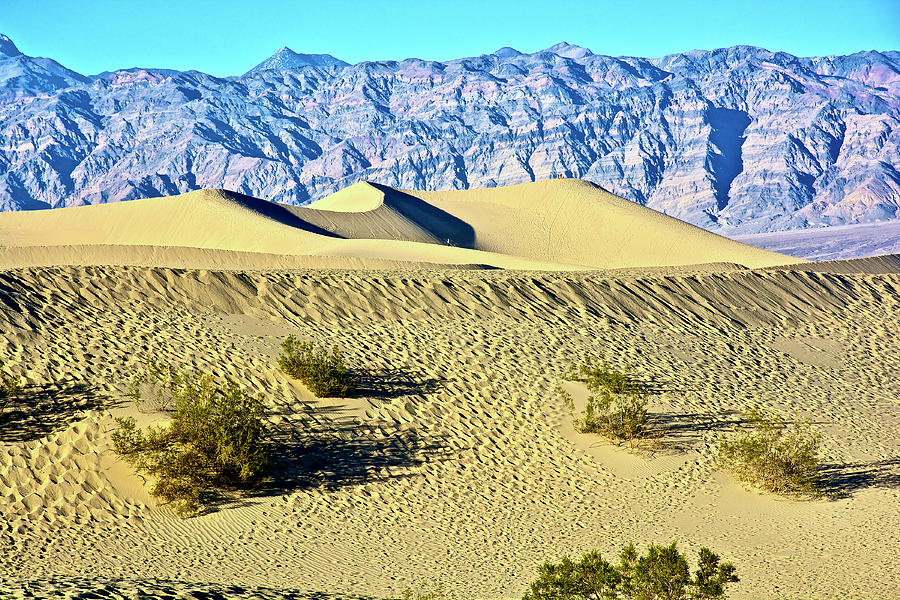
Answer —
735 140
286 58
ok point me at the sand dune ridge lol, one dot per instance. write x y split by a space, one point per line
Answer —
548 225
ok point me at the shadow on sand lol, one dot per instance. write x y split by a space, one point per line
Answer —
327 445
391 383
680 432
40 410
84 588
837 481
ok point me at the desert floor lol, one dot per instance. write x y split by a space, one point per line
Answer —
457 464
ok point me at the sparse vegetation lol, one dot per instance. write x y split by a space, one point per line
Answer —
431 591
661 574
617 406
324 374
10 386
216 438
772 455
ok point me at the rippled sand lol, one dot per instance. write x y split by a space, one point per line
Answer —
457 463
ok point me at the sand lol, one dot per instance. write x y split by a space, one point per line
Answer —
546 225
458 465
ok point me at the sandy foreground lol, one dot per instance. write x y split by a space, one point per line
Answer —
456 464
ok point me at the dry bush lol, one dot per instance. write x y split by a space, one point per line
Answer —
617 406
10 386
431 591
773 456
324 374
216 438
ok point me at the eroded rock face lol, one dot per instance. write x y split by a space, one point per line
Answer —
734 140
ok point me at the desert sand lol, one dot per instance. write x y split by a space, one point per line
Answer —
457 465
547 225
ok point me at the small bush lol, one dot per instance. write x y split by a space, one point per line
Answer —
432 591
661 574
773 456
216 438
324 374
10 386
617 406
599 374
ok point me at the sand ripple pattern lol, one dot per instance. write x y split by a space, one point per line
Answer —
454 464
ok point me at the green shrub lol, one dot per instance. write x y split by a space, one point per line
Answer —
617 406
10 386
591 578
324 374
661 574
773 456
215 439
599 374
432 591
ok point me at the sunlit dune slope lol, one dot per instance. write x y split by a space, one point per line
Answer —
548 225
575 222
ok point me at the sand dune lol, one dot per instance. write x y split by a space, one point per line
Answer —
548 225
462 468
459 464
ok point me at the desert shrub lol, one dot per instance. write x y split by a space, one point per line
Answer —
617 406
661 574
324 374
591 578
430 591
216 438
600 374
10 386
772 455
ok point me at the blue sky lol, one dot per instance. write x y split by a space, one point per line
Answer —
227 37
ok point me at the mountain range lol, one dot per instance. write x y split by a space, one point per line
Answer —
736 140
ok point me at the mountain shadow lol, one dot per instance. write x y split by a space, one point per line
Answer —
727 135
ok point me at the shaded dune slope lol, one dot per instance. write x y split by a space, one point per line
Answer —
548 225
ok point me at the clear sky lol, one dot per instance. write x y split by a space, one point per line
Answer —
228 37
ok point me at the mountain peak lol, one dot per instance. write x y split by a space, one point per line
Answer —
567 50
7 47
507 52
285 58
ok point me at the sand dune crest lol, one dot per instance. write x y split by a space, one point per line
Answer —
546 225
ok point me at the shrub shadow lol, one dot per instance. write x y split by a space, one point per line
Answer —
328 444
838 481
83 588
348 454
656 386
39 410
329 452
679 432
391 383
